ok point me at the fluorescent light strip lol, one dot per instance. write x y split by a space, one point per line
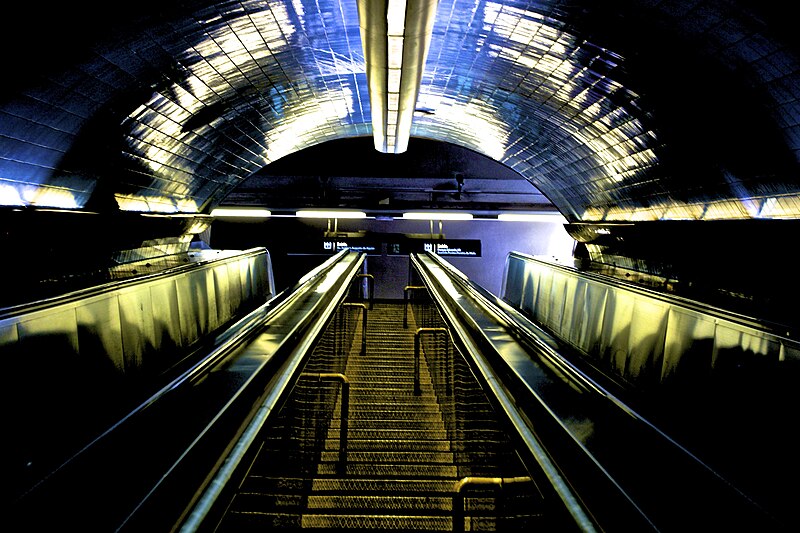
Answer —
312 213
532 217
437 215
396 17
224 212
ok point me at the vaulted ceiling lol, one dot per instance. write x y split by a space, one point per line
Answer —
608 111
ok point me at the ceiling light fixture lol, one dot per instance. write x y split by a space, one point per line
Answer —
395 35
224 212
532 217
329 213
437 215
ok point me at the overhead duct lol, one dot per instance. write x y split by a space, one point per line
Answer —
395 35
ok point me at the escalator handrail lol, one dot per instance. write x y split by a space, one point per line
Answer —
567 495
531 337
773 328
242 329
308 332
95 290
224 344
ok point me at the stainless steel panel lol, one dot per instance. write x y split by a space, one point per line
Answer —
99 330
644 338
192 309
689 343
571 313
166 318
234 287
8 333
222 294
648 331
128 324
616 322
209 286
591 325
136 324
54 331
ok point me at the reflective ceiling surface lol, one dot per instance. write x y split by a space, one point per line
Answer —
614 111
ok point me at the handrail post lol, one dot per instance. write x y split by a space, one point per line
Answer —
344 416
417 349
459 513
405 301
363 324
370 287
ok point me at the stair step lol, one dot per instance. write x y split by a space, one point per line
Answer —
393 486
429 445
383 424
384 503
349 485
384 407
405 451
379 457
384 470
380 413
380 522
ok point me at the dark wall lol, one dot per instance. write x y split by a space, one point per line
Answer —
283 237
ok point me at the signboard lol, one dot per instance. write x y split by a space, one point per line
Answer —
390 245
454 247
356 244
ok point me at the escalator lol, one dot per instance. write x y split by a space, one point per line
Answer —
395 458
325 410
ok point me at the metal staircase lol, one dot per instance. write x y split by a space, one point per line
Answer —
416 445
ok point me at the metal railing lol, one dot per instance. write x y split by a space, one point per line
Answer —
344 408
418 349
406 293
459 511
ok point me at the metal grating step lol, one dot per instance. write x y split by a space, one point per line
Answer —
380 522
389 505
411 445
404 451
385 456
391 471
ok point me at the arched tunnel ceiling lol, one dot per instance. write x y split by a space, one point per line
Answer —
615 111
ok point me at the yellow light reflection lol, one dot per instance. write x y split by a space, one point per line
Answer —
155 204
331 278
50 197
308 123
214 67
9 196
784 207
474 124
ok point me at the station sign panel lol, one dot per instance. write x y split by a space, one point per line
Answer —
356 244
453 247
393 245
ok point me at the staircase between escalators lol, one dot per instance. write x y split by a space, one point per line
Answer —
406 454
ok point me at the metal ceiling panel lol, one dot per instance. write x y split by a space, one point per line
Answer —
174 108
